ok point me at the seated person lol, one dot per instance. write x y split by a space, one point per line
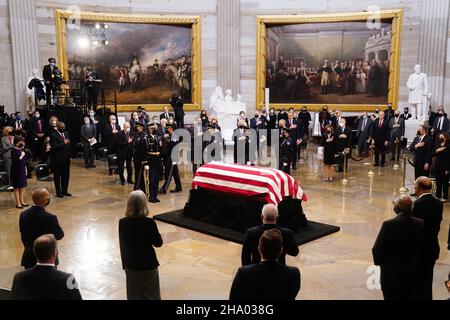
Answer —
269 279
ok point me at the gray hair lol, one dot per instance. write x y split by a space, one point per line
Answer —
137 204
270 212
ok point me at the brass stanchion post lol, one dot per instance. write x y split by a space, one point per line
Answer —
371 173
403 188
345 181
396 165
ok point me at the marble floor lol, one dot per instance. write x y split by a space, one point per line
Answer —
197 266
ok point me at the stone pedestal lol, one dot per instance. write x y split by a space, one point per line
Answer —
411 129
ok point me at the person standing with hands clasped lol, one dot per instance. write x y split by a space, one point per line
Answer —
19 172
60 159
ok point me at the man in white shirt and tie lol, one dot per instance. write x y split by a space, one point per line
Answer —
166 114
441 124
364 123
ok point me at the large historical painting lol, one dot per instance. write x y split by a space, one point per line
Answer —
142 60
346 63
143 63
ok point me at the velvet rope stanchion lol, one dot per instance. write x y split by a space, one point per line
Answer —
403 189
345 181
371 173
397 160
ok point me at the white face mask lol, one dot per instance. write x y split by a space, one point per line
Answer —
113 121
127 130
87 122
37 115
342 124
136 118
91 115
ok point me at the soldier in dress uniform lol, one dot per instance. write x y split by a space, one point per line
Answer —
287 151
170 163
139 145
154 162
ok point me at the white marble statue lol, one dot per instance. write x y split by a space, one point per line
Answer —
242 106
226 110
30 95
418 94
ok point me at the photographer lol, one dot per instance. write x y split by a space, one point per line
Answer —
49 74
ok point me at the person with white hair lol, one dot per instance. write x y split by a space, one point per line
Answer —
138 235
269 217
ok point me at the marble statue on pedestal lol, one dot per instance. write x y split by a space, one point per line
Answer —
34 90
418 94
226 110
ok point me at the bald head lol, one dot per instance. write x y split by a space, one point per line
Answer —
403 205
41 197
45 249
423 185
269 214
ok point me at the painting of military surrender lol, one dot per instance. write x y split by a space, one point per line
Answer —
328 63
140 63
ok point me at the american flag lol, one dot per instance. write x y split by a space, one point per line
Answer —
241 180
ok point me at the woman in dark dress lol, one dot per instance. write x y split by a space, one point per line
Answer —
19 172
329 152
442 166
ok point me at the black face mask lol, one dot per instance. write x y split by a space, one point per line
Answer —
419 133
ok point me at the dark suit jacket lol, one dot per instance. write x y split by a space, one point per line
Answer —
60 152
422 155
268 280
33 223
47 73
123 147
397 251
430 209
380 135
367 129
163 116
34 127
397 132
87 133
44 283
344 142
257 127
445 125
281 116
250 254
137 237
109 139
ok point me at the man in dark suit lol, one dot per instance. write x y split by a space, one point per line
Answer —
397 128
422 146
241 143
35 222
177 105
88 133
430 210
397 251
282 115
110 133
125 153
380 137
37 134
296 132
60 159
363 133
166 114
49 75
431 116
44 281
441 124
343 136
269 279
197 132
269 216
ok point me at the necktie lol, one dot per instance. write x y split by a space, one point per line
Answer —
39 126
441 120
364 125
63 136
379 125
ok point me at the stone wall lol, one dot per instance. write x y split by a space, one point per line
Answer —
422 20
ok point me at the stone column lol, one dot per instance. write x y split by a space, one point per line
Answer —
433 45
24 38
228 37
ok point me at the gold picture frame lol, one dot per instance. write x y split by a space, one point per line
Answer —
396 16
62 16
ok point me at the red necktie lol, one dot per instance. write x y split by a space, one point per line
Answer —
39 126
379 126
62 135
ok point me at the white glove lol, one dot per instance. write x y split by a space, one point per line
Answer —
147 168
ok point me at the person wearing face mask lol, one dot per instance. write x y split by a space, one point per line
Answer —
37 132
204 117
442 166
343 137
441 124
17 123
305 117
241 143
397 128
242 117
92 83
60 159
35 222
362 134
271 118
422 147
154 162
7 143
286 151
88 133
139 146
282 115
379 136
197 140
329 153
125 153
49 75
133 120
19 172
406 115
110 133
